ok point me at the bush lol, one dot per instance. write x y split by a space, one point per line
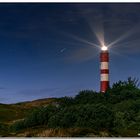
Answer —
65 118
89 97
86 116
38 116
18 125
66 101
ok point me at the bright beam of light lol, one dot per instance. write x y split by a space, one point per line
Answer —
96 26
124 56
129 46
125 35
83 40
77 38
97 29
85 53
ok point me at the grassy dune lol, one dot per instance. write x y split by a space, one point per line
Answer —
10 113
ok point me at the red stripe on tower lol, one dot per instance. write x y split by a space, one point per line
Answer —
104 69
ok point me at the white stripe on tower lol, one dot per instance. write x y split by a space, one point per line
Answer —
104 65
104 77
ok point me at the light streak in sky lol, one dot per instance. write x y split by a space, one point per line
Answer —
62 50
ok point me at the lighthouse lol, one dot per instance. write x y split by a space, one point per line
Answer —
104 69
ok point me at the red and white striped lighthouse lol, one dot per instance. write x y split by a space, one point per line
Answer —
104 69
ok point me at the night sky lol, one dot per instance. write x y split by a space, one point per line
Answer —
51 49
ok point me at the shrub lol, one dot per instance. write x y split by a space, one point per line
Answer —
86 116
38 116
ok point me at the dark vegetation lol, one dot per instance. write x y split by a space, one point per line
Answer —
117 113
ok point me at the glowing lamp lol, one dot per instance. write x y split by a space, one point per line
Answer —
104 48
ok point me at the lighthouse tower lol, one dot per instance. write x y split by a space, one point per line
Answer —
104 69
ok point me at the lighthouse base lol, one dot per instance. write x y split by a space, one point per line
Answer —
104 86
